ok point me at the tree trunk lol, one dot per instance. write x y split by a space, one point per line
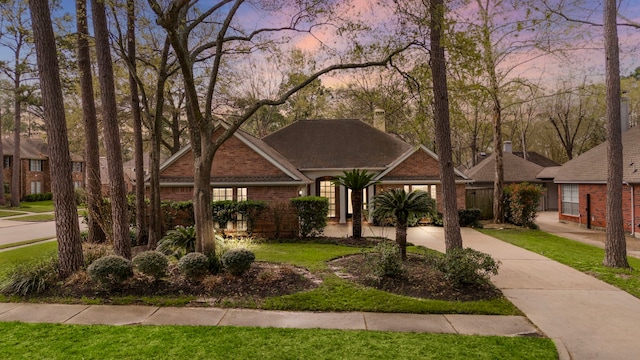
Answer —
67 227
498 183
119 210
401 239
2 197
17 161
141 227
356 204
92 155
615 243
452 236
203 213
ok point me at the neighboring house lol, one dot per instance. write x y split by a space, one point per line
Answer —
34 166
537 169
302 159
582 184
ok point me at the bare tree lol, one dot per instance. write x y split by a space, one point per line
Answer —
92 155
67 227
226 41
119 210
615 243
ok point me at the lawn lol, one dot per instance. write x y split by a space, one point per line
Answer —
582 257
5 213
35 218
334 294
50 341
37 206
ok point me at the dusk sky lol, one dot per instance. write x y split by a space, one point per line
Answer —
589 62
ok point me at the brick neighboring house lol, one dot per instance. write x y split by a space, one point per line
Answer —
302 158
582 184
35 177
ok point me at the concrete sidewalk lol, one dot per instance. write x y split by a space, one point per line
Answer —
586 317
149 315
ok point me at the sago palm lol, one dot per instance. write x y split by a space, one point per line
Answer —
356 180
400 206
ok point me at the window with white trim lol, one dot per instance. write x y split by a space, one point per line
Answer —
220 194
35 165
7 162
241 220
328 190
570 199
36 187
77 185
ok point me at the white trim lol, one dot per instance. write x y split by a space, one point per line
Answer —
579 182
234 184
343 169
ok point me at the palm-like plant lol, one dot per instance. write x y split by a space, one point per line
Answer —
400 206
356 180
178 242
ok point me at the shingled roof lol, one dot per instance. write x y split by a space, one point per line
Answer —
336 144
516 169
536 158
31 148
591 166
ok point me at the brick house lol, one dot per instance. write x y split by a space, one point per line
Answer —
35 177
582 184
302 158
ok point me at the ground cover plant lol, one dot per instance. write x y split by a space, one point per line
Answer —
52 341
291 276
580 256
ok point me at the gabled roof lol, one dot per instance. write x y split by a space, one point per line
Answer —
290 173
516 169
31 148
336 144
591 166
536 158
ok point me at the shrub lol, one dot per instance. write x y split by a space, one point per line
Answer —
238 261
312 214
468 267
31 277
194 266
178 242
110 270
224 211
37 197
521 204
385 260
250 210
93 252
470 218
151 263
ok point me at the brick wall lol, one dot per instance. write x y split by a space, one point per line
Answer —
418 164
598 193
233 158
27 177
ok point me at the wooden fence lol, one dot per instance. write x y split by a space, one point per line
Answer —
480 198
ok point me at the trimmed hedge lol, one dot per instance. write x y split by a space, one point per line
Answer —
312 214
38 197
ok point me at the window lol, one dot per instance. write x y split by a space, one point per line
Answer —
241 194
430 189
220 194
36 187
328 190
77 185
77 166
241 220
7 161
570 204
35 165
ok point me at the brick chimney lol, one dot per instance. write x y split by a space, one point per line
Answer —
379 121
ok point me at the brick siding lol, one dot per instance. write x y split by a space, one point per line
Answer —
598 194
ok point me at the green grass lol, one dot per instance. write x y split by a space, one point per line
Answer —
50 341
311 256
25 242
580 256
5 213
336 294
9 257
35 218
37 206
